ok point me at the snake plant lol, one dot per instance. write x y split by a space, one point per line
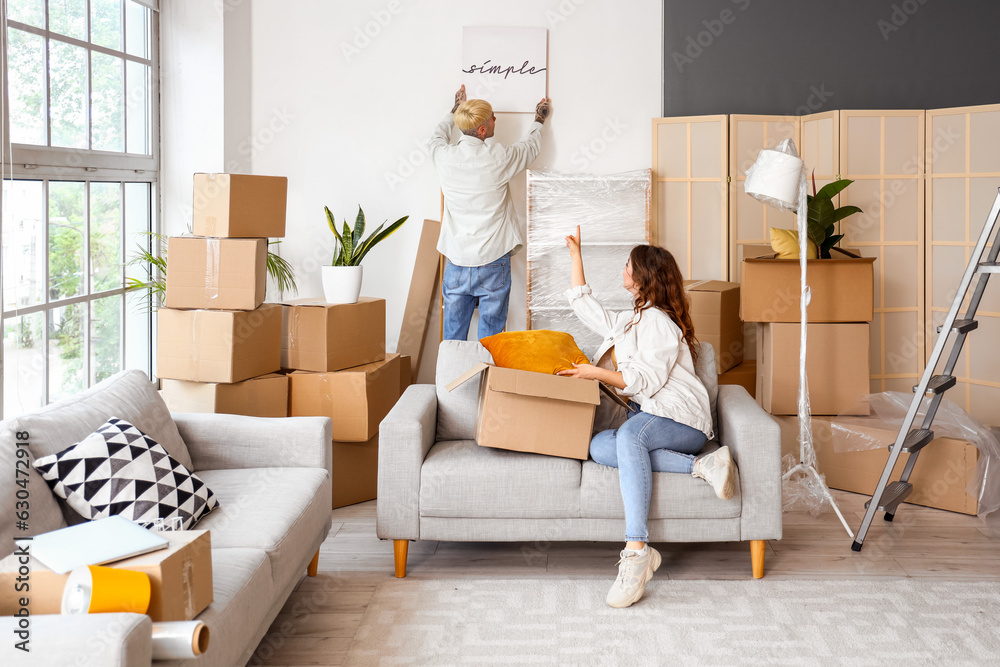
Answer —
351 249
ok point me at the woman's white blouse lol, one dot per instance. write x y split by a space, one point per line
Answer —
653 358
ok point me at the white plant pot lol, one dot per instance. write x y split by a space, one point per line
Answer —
341 284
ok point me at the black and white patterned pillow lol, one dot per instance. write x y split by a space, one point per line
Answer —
119 470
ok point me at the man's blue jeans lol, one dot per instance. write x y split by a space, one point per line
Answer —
488 284
642 445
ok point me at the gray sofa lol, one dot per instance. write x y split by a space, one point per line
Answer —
272 478
436 483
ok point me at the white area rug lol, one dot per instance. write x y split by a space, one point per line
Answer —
543 622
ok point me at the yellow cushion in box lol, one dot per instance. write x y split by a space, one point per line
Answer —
785 242
541 351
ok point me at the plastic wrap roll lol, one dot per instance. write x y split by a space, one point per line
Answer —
179 640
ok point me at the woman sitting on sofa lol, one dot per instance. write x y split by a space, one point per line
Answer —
653 351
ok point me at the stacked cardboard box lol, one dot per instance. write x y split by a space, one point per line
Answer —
840 313
218 343
715 313
339 369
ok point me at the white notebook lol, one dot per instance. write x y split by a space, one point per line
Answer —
93 543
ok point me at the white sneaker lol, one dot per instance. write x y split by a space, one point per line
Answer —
718 470
635 569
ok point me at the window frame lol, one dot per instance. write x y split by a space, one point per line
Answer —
48 163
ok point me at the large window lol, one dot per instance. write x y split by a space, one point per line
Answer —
80 164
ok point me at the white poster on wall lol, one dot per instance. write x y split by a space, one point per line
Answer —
505 66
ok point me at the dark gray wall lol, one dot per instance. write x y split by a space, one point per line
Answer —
802 56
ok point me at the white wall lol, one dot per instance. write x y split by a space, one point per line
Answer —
345 115
192 115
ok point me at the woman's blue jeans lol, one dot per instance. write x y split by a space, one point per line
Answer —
645 444
464 286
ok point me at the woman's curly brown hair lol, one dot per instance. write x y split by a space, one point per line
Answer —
659 284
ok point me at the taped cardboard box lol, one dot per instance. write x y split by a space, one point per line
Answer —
715 313
836 366
356 399
220 274
264 396
534 412
744 375
842 287
322 337
180 578
355 472
239 205
218 345
939 477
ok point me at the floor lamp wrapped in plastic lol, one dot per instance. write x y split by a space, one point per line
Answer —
778 178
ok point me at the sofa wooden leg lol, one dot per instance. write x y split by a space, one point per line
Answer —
757 557
313 566
399 548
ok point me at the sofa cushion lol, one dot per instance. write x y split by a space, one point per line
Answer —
706 372
119 470
282 511
461 479
44 513
456 416
675 495
128 394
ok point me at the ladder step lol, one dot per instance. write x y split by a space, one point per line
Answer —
916 440
938 385
894 494
989 267
962 326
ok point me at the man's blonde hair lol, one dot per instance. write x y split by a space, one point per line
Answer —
472 113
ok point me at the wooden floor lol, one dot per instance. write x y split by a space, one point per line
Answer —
319 620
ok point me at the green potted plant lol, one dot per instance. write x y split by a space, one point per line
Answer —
154 263
823 216
342 279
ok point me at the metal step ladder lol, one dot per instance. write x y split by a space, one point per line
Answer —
888 495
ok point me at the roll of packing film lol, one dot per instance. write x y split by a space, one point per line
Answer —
178 640
92 589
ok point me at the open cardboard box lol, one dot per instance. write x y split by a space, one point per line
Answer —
842 287
535 412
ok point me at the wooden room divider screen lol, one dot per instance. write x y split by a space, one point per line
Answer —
925 181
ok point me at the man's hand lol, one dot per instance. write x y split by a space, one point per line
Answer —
573 243
543 110
459 98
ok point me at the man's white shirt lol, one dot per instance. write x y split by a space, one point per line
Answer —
480 224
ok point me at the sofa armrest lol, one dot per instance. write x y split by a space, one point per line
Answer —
219 441
405 436
85 640
755 441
